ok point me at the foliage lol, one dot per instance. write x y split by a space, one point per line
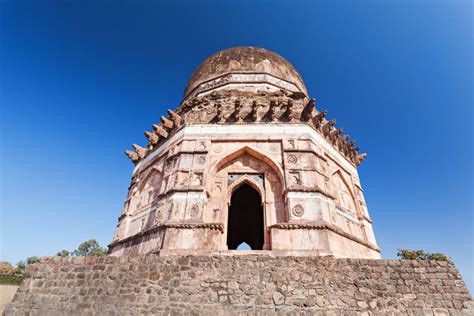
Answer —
20 268
14 275
90 248
440 257
32 260
6 268
7 279
63 253
408 254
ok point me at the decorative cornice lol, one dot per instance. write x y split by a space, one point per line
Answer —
242 77
307 150
280 107
211 226
181 152
321 226
178 190
300 188
158 227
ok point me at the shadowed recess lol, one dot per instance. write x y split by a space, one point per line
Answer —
245 219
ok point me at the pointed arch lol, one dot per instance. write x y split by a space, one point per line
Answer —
245 180
245 221
255 153
338 176
344 180
147 177
146 190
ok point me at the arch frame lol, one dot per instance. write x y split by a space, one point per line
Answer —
264 229
255 153
147 177
278 179
245 179
337 172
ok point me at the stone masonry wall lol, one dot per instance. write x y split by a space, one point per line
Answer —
220 285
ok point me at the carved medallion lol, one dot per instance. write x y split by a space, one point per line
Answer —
218 148
201 160
298 210
292 159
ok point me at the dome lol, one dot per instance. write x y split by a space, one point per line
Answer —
242 67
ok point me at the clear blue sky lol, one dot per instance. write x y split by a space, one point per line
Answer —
82 80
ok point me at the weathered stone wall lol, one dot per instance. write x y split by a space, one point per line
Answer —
234 284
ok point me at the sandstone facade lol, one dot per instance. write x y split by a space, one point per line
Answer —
246 125
224 284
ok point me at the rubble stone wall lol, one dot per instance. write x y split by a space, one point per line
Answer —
225 284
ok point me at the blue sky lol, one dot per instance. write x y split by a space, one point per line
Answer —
82 80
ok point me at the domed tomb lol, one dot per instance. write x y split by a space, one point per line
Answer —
244 68
246 158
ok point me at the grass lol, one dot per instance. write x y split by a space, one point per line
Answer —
10 279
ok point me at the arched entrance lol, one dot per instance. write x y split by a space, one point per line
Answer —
245 223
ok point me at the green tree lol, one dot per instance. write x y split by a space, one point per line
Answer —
6 268
16 275
90 248
63 253
32 260
440 257
408 254
20 268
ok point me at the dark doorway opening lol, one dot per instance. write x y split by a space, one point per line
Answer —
245 219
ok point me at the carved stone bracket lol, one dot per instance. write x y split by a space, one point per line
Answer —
229 106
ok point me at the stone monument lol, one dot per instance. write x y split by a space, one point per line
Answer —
246 157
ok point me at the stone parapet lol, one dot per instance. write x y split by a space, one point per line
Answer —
260 283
